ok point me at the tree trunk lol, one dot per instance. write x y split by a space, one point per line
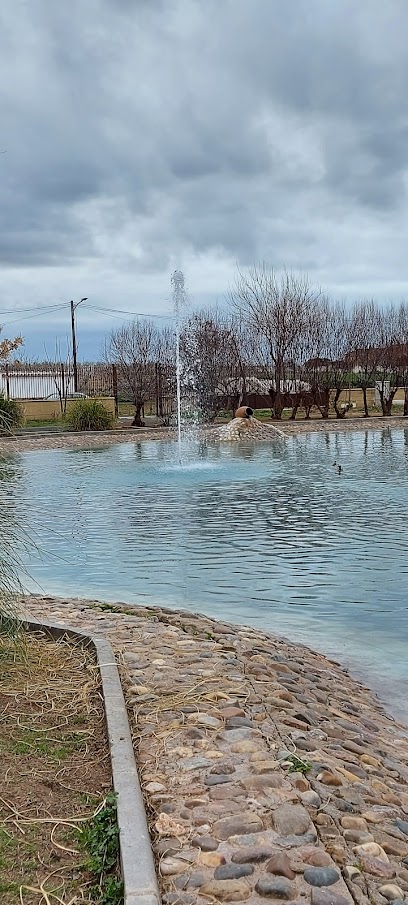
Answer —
339 412
138 420
364 389
386 401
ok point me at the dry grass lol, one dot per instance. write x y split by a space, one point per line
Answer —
54 768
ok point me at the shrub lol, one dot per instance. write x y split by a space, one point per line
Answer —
89 415
11 415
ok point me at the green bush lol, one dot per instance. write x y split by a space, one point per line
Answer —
11 415
89 415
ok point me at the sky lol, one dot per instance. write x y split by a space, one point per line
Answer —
141 136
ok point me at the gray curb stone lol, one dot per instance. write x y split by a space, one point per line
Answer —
138 871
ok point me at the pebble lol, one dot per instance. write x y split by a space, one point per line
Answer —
311 799
291 820
226 890
255 854
236 825
206 843
276 889
279 864
391 892
211 859
372 849
403 826
233 871
329 779
377 867
170 866
321 876
204 719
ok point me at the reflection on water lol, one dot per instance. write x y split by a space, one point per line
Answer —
269 535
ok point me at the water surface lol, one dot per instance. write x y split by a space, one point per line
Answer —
267 535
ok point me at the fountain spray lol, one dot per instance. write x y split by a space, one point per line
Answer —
177 282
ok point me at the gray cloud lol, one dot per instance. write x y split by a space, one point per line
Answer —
143 133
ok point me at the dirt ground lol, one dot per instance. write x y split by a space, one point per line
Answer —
54 769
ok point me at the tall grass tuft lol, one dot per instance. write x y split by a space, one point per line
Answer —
89 415
11 415
12 543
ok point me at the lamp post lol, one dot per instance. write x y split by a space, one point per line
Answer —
74 346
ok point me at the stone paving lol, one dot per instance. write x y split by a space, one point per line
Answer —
268 773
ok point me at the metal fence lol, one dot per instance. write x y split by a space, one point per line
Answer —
57 380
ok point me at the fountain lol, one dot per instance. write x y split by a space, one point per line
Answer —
243 426
179 295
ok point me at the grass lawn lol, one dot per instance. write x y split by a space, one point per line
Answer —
55 778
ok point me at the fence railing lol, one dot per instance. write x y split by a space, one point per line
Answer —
56 381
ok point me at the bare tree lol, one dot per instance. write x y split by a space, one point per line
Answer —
390 350
277 309
365 350
135 348
206 349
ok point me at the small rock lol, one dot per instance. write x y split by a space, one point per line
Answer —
299 781
233 871
170 866
373 850
211 859
403 826
226 890
138 690
167 846
376 866
206 843
393 846
254 853
279 864
316 857
351 872
204 719
391 892
234 826
321 876
329 779
353 823
264 781
357 836
276 889
311 799
155 787
291 820
222 768
265 766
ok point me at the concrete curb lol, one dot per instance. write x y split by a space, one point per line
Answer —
138 871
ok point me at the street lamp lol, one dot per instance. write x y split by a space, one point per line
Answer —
74 347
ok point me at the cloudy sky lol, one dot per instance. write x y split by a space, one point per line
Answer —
145 135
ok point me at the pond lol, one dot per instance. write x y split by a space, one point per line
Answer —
268 535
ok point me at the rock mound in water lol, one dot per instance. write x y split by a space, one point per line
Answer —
247 429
